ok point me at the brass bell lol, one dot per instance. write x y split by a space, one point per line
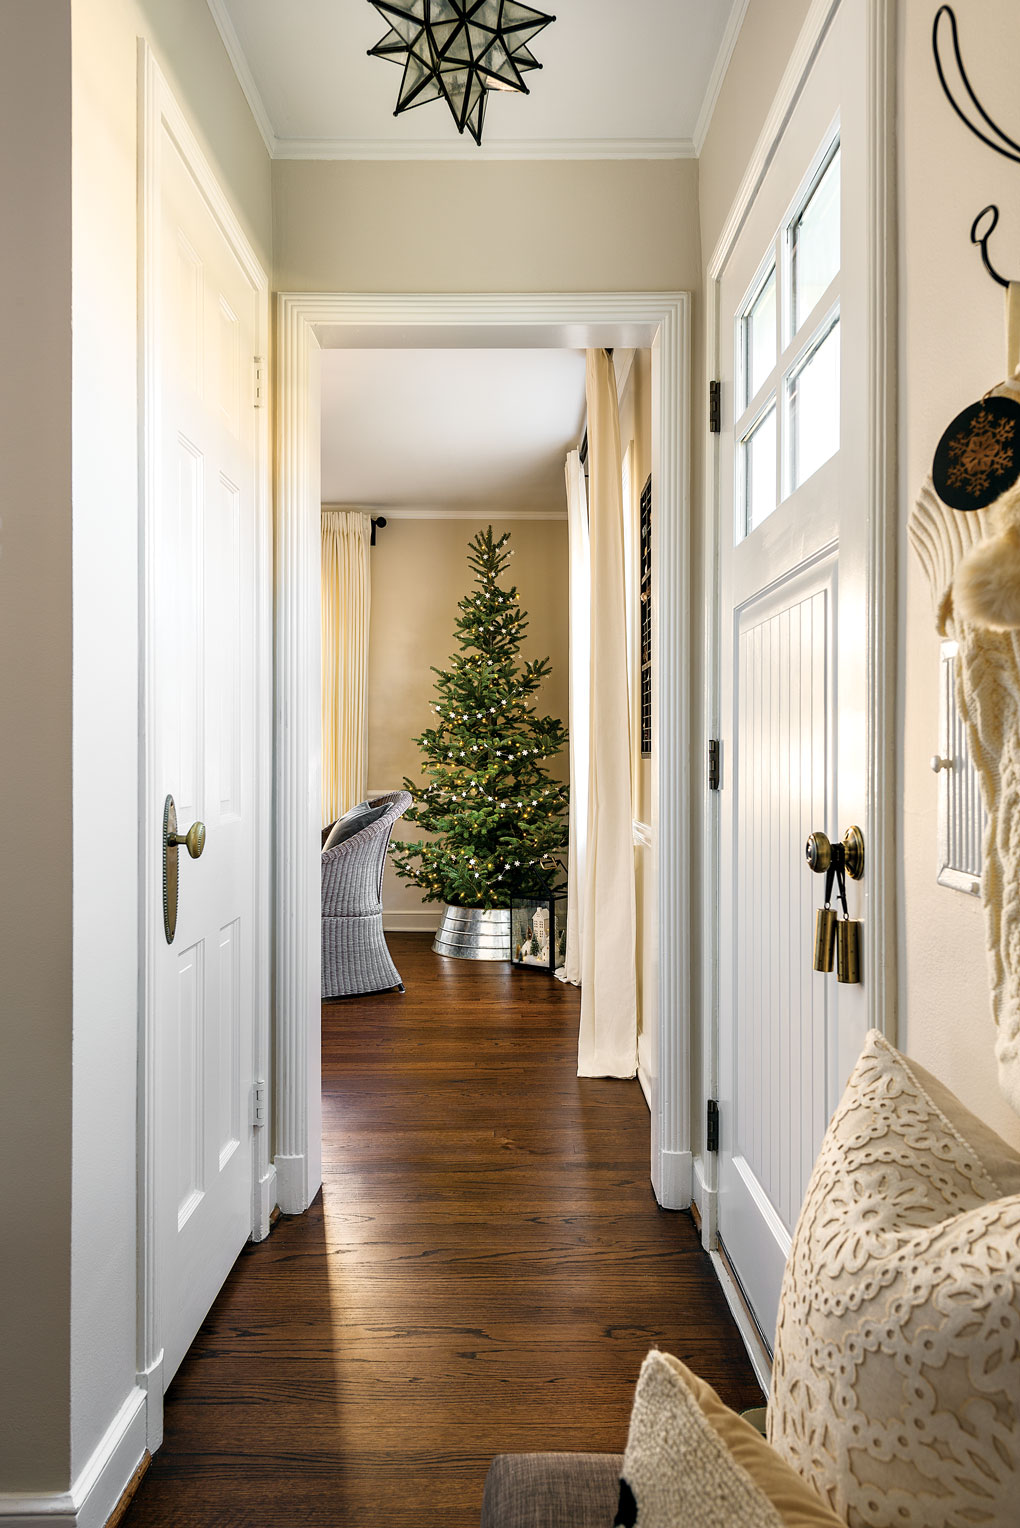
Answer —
825 938
848 951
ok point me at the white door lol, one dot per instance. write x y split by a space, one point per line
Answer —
204 743
793 654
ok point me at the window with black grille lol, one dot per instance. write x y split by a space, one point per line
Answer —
646 619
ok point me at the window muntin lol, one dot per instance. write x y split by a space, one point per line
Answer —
779 355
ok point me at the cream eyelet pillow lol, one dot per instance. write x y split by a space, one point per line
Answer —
896 1378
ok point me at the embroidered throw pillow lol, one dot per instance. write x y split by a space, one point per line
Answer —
691 1462
896 1378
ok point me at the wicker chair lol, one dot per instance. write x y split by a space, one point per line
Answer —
354 954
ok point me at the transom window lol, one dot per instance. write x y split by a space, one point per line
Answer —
787 353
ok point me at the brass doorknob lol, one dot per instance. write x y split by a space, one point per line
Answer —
818 853
193 840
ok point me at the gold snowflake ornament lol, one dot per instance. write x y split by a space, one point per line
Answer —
978 457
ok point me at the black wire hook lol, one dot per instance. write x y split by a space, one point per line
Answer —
982 241
1013 150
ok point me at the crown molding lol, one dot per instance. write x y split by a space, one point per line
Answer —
245 78
374 149
719 68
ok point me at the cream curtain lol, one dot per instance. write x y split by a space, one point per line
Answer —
607 1045
346 601
579 557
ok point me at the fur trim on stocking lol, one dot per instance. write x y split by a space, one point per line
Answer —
986 589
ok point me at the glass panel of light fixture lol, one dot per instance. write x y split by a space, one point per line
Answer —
813 408
759 452
759 325
814 244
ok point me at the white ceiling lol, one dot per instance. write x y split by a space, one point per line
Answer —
457 430
619 78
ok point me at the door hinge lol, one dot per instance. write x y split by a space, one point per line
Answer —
712 1126
258 381
714 765
715 407
258 1105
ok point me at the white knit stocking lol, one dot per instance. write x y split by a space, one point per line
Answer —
988 693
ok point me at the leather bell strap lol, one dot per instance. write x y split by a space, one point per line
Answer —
839 868
830 876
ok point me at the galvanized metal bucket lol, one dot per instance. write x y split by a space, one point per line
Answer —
474 933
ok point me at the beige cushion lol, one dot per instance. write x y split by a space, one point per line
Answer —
896 1380
691 1462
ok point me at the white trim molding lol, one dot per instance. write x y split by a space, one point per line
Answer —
160 118
245 78
494 150
718 75
304 320
97 1491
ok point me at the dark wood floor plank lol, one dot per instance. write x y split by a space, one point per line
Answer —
483 1271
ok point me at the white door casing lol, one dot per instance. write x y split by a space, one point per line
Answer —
306 322
811 586
205 1183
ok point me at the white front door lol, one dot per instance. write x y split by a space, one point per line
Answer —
204 749
793 654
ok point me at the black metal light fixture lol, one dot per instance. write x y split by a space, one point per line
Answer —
459 50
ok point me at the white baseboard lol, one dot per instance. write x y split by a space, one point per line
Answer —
757 1352
673 1182
293 1192
412 922
91 1501
646 1086
265 1204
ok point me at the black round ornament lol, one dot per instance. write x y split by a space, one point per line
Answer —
978 457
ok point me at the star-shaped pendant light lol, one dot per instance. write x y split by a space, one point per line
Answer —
460 50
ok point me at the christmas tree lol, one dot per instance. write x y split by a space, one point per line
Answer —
497 819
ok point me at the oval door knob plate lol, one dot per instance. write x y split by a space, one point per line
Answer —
818 853
194 841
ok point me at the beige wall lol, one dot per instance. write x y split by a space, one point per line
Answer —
35 742
419 573
69 605
486 227
953 349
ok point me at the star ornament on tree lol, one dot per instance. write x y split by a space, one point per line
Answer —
459 50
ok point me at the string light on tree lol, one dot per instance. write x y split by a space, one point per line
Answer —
484 705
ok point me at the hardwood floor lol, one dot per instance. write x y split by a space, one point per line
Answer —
483 1272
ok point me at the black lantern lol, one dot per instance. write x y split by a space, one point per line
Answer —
538 928
460 50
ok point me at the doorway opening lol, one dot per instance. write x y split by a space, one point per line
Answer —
308 327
